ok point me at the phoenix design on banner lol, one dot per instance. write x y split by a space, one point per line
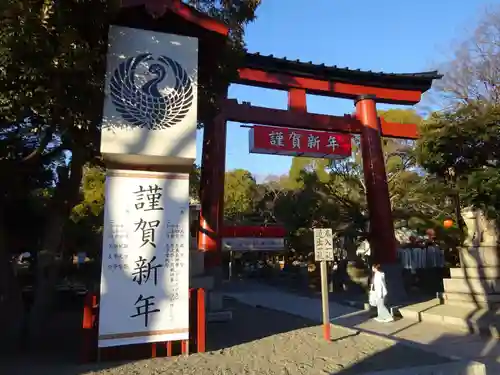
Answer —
146 106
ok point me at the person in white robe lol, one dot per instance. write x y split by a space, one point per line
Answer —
379 290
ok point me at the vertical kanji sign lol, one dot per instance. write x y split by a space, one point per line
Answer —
323 252
145 259
323 244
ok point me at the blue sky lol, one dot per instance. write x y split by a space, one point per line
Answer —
385 35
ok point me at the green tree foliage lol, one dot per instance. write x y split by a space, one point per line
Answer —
194 183
333 193
462 148
239 191
301 164
92 194
458 143
52 62
464 140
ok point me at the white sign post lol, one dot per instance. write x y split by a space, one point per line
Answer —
323 252
149 119
145 259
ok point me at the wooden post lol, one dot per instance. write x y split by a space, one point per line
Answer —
325 305
207 231
212 190
88 327
185 347
201 321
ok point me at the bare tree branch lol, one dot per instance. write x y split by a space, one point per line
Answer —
474 72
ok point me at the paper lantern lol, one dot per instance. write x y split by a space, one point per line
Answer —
448 223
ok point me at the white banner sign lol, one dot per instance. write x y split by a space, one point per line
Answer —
150 105
253 244
145 259
323 244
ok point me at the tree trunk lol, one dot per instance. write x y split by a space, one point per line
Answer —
356 271
11 302
46 277
65 198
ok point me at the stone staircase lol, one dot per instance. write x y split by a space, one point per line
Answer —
471 298
199 279
473 287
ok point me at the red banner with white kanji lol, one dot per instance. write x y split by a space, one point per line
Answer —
299 142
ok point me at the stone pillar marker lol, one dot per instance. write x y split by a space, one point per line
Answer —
476 284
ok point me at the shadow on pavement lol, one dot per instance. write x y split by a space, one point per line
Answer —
397 357
250 324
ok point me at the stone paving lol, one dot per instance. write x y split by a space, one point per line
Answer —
257 341
435 338
273 332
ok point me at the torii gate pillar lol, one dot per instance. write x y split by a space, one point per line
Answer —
212 191
383 245
381 234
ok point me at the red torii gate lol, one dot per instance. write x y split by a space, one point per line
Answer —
298 79
365 88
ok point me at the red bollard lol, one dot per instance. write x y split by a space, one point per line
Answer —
201 321
88 327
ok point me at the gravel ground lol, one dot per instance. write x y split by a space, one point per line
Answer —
256 341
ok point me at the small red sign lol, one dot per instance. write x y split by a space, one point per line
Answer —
299 142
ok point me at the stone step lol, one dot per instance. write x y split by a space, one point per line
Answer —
458 367
219 316
474 286
196 263
471 300
479 257
204 282
468 319
475 273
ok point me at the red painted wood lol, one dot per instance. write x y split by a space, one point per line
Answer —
88 311
201 323
190 14
212 192
185 347
297 100
198 18
327 331
382 240
278 81
220 171
88 327
229 231
397 130
246 113
89 348
212 185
